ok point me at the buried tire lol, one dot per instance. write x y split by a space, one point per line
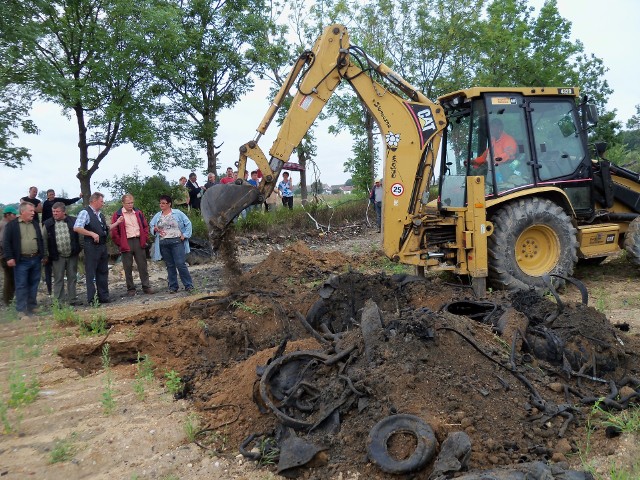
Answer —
532 237
632 242
377 445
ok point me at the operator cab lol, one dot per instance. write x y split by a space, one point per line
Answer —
517 138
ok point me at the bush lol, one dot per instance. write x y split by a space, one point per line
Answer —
146 191
332 212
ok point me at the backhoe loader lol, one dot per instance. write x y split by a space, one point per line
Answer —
514 216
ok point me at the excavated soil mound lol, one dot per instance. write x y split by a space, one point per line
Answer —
512 372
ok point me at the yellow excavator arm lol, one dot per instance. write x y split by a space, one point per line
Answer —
411 126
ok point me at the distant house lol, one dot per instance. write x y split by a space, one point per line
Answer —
346 189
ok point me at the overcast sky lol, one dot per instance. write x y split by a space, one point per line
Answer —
606 29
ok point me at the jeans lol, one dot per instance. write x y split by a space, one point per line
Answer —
172 251
27 278
378 207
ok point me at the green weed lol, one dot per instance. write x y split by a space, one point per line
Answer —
4 417
63 450
174 382
269 452
97 325
387 266
627 421
64 314
214 441
602 299
22 390
107 400
249 308
191 426
144 375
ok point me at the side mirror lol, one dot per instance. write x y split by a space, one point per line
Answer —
601 147
592 113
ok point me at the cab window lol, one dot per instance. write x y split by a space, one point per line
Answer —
558 147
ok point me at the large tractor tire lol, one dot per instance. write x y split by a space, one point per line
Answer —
632 242
531 237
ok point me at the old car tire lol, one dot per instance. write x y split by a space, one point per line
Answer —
632 242
531 237
404 423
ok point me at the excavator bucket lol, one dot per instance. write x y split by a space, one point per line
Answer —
220 204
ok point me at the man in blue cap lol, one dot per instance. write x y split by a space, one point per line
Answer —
9 283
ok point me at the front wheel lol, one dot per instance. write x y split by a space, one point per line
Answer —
532 237
632 242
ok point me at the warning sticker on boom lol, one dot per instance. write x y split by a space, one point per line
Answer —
305 103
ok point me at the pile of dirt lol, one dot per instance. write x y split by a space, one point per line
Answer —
457 371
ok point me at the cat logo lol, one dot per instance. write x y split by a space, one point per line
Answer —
424 120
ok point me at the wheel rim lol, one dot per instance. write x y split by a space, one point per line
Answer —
537 250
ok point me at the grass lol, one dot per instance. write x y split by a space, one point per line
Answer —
191 426
601 300
107 399
387 266
7 427
63 450
64 314
336 210
173 383
249 308
269 451
627 421
22 390
144 375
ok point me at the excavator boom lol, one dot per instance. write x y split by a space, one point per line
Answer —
411 126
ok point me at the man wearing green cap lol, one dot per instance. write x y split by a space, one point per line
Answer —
9 289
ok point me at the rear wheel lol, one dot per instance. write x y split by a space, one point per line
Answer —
531 237
632 242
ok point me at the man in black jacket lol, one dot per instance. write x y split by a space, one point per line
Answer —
24 250
92 224
195 191
63 247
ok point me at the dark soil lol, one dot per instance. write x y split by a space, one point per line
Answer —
455 372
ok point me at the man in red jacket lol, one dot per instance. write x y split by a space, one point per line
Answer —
130 235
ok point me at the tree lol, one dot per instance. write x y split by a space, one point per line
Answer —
14 109
91 58
145 190
210 66
14 102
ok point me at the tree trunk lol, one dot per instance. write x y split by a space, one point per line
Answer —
84 174
211 157
302 161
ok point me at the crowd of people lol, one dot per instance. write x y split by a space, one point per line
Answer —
28 243
192 192
53 242
40 235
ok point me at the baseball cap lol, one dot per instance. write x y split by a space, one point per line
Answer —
378 180
10 209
